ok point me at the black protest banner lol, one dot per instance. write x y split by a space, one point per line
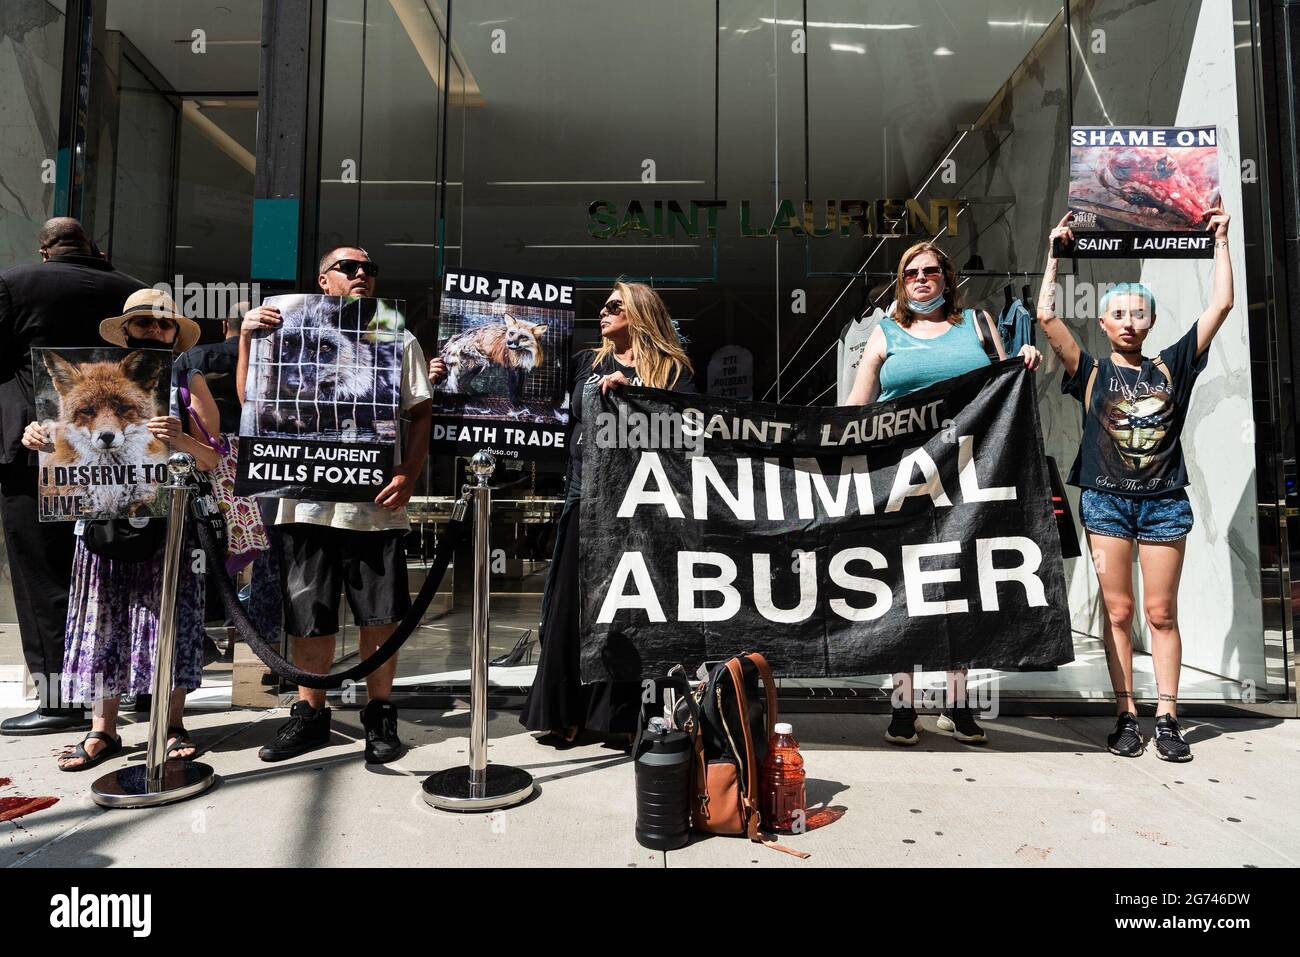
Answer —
1142 192
506 342
837 541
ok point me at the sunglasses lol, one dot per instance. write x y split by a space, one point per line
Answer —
930 272
350 267
612 308
153 322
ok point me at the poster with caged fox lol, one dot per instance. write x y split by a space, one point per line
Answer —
506 340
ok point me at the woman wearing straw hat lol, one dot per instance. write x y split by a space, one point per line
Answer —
112 625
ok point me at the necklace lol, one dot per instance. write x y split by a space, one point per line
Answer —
1126 391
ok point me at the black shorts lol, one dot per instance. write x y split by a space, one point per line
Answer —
318 562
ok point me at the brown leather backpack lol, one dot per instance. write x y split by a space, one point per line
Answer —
735 720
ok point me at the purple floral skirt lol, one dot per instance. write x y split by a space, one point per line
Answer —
112 627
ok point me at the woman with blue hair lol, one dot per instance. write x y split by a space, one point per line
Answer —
1131 470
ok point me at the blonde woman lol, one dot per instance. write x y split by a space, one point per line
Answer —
639 347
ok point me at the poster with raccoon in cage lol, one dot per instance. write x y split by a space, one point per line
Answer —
320 414
506 341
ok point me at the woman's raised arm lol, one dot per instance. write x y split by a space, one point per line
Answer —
1221 295
1059 337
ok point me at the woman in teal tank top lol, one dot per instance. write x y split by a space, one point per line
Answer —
913 363
927 340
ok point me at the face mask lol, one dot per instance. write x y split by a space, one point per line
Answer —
928 306
132 342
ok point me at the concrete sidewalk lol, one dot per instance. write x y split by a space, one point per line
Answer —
1043 792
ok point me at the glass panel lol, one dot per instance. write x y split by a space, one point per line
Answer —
139 229
214 219
171 144
199 46
552 108
380 118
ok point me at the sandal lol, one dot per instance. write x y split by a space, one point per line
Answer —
178 739
90 760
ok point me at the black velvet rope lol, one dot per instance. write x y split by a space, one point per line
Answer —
291 672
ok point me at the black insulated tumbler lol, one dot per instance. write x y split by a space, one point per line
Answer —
663 770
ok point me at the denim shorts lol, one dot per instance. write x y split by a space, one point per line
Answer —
1165 518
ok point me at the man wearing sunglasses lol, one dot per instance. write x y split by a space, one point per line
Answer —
326 547
58 302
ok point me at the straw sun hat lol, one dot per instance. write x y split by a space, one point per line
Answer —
150 302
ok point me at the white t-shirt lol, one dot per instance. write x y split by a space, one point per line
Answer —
367 516
848 352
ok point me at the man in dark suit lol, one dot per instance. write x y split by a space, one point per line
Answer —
58 302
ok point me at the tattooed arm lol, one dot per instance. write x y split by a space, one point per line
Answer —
1221 296
1059 337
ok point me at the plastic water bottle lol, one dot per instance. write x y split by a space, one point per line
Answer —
782 793
663 772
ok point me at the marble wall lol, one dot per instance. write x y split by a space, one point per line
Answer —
31 57
1159 63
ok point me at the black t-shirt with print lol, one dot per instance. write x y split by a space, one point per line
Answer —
1132 434
589 371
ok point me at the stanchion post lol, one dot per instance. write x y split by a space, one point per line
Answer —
479 786
160 781
478 675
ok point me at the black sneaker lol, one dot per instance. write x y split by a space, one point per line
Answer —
902 727
1170 745
1126 739
382 743
961 722
305 730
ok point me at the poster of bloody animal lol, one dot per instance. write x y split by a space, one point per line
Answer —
1142 192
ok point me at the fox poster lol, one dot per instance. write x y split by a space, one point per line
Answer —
95 405
1142 192
320 416
506 341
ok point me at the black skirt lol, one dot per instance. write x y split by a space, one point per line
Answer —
558 700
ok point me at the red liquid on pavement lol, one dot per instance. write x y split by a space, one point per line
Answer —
781 785
16 807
